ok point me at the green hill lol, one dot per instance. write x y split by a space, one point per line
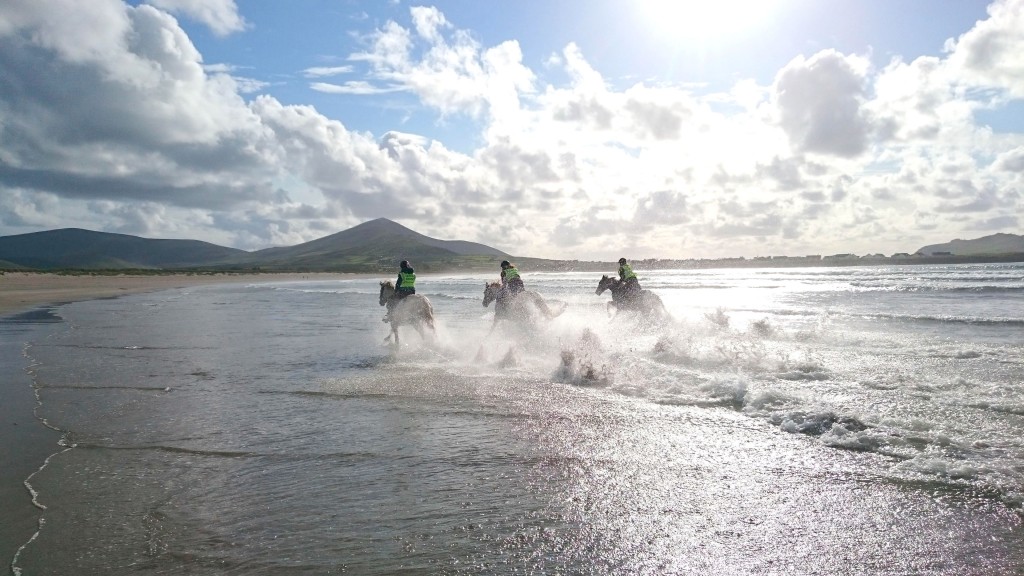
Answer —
987 245
374 246
85 249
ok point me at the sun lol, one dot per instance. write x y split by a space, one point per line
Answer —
702 20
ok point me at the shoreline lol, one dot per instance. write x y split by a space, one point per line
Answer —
25 298
22 291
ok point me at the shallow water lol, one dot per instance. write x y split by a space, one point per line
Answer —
852 420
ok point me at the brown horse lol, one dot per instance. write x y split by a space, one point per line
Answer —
644 302
522 306
413 309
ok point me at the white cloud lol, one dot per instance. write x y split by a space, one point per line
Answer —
820 101
1011 161
991 54
325 71
221 16
453 75
356 87
109 110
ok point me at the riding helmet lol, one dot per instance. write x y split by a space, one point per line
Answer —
505 263
622 260
404 263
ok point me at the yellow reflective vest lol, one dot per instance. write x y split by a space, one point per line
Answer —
626 272
406 280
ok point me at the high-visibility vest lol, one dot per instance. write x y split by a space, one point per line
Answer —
626 272
510 273
407 280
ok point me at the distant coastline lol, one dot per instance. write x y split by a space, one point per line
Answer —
376 247
229 274
772 262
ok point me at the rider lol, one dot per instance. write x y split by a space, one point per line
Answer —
404 286
511 282
628 278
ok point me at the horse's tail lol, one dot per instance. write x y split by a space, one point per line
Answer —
428 313
543 306
658 307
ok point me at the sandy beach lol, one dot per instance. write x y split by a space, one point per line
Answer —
23 290
24 441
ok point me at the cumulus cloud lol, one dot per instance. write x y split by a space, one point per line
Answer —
453 74
1011 161
108 111
991 54
820 103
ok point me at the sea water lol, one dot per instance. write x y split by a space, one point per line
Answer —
859 420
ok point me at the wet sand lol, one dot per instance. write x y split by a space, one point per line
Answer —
26 301
24 290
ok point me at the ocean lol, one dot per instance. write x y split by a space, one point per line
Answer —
856 420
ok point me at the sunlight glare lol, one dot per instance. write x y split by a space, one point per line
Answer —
703 20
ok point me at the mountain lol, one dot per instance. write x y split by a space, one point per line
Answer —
987 245
377 245
77 248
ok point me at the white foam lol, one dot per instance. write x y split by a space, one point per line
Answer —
955 470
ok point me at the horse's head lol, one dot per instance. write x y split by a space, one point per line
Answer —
387 290
605 283
491 291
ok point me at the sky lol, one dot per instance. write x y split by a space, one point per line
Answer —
560 129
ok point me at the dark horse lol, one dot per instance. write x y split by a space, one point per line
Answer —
645 302
517 307
413 309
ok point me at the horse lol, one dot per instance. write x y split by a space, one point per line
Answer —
644 301
414 309
519 306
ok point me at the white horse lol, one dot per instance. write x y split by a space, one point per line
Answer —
413 309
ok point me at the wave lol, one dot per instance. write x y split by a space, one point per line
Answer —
965 320
171 449
914 446
988 289
100 387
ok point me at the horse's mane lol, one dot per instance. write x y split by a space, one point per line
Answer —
494 285
388 284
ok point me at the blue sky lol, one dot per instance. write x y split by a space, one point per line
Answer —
556 129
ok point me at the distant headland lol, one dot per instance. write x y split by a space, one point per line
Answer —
375 246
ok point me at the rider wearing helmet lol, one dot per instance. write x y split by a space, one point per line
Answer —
510 279
404 286
628 277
